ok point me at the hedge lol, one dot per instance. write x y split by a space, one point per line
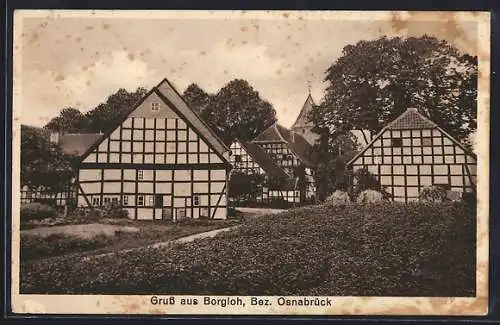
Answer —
36 211
383 249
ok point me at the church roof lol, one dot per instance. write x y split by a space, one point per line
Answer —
303 118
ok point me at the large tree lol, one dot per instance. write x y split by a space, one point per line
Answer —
70 120
196 97
330 172
42 163
100 118
106 114
375 81
238 111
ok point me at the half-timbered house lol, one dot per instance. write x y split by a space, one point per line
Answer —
292 152
160 161
249 158
413 152
71 144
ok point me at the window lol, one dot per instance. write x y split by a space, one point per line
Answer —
397 142
114 200
107 200
196 200
285 157
140 200
96 201
155 106
125 200
426 142
140 174
237 158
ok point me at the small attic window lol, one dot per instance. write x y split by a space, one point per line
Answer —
237 158
155 106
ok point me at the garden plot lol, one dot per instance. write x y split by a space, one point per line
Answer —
107 236
84 231
383 249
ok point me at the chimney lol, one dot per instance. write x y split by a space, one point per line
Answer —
292 135
54 137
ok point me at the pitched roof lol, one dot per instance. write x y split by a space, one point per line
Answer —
76 144
263 160
411 119
295 142
174 100
303 118
271 134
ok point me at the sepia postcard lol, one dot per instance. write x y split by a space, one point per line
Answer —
250 162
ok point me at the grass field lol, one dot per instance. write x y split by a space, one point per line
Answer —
386 249
105 236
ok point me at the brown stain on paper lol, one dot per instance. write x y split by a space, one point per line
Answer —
449 26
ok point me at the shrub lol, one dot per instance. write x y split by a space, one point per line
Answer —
369 196
360 251
434 194
113 211
338 198
469 199
36 211
109 211
364 180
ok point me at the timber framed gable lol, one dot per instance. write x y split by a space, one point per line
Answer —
159 161
413 152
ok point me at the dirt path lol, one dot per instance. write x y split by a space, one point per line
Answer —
186 239
257 212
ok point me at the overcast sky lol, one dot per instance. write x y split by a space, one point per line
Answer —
78 62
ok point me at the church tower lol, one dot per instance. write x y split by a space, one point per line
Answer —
303 125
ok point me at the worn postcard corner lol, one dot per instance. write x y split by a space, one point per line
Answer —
250 162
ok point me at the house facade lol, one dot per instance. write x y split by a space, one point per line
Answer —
71 144
291 152
249 158
411 153
161 161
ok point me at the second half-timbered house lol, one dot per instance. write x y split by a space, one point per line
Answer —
249 158
292 153
411 153
160 161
